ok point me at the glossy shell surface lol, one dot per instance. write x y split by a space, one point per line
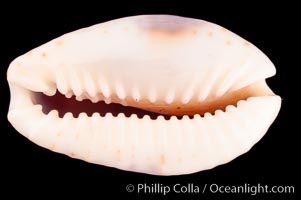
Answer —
209 81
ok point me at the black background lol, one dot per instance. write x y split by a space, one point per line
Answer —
30 170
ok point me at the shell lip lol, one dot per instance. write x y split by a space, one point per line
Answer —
29 98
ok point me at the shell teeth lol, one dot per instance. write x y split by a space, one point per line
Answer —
68 115
92 95
62 88
173 118
201 97
120 91
95 99
69 94
121 115
160 118
79 98
136 94
108 115
207 115
186 118
124 102
90 85
170 97
96 115
50 92
61 83
187 96
77 85
76 90
85 95
82 115
218 112
230 108
107 100
197 117
241 103
146 117
54 113
152 96
134 116
105 89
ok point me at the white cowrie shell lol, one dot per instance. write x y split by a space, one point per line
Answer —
148 62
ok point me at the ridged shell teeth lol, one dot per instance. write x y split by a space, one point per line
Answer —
134 116
207 115
69 94
120 91
170 96
197 117
62 81
95 115
53 113
136 94
82 116
218 113
89 84
50 92
95 99
187 97
77 90
107 100
124 102
109 116
230 108
152 95
105 89
68 115
79 98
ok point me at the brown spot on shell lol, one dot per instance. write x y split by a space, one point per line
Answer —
53 146
210 34
59 42
228 43
72 154
82 30
246 43
162 159
43 55
29 53
194 32
118 152
225 30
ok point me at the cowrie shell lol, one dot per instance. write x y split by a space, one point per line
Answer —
208 80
